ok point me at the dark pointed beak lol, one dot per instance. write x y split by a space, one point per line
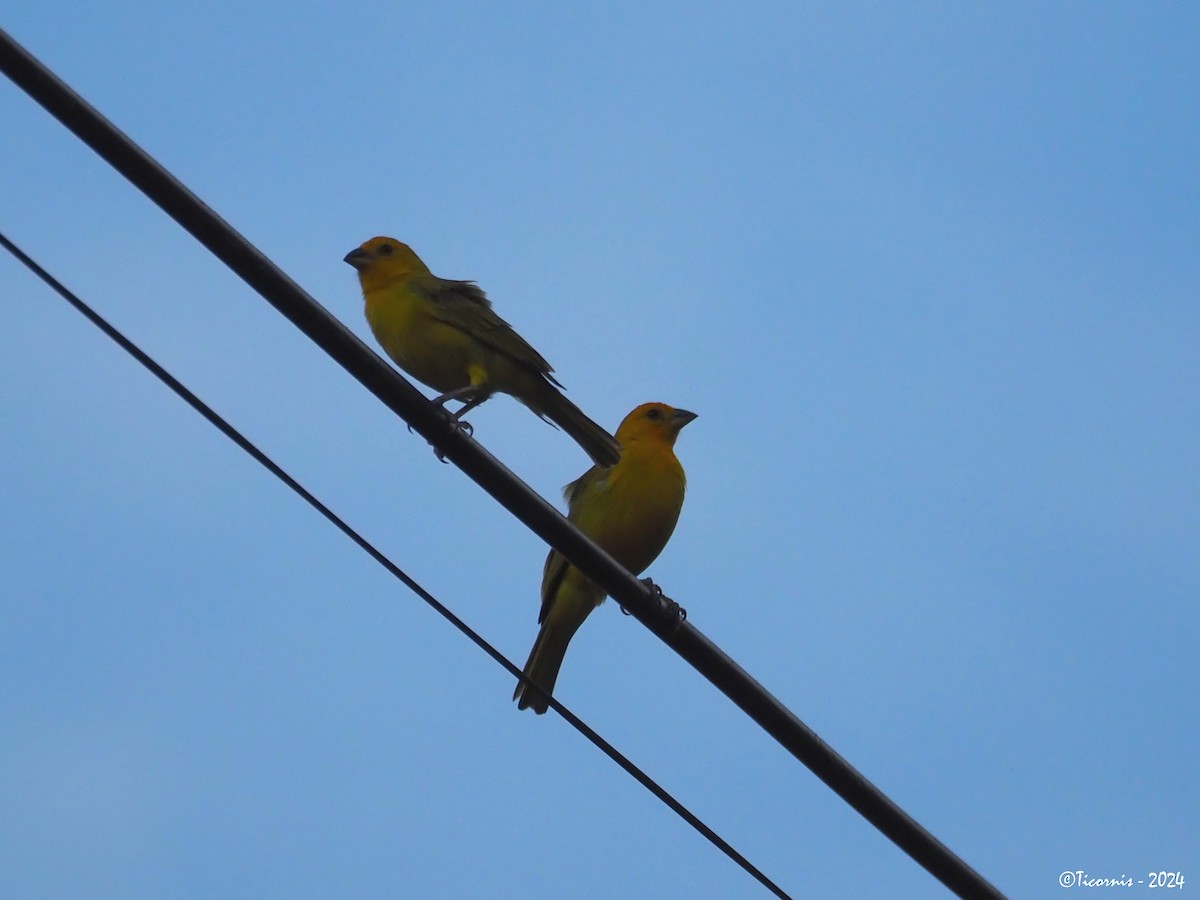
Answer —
357 258
681 417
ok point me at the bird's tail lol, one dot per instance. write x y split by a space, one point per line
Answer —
545 659
597 443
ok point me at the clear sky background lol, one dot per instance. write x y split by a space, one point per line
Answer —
928 274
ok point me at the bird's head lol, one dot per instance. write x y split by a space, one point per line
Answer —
653 422
383 259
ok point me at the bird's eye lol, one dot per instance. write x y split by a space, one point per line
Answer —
386 250
654 413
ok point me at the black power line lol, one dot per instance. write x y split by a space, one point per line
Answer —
538 515
222 425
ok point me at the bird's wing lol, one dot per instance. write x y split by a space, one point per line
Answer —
465 306
592 484
593 481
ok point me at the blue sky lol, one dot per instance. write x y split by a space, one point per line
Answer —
929 277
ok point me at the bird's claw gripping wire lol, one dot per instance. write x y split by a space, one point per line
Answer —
670 614
457 424
471 397
464 427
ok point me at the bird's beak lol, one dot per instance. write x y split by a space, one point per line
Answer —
681 417
357 258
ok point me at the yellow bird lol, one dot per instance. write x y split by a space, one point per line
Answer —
445 334
630 510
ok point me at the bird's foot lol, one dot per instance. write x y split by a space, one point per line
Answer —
454 422
466 394
667 607
654 589
464 427
471 398
670 614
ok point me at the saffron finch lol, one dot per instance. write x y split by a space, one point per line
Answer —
629 510
445 334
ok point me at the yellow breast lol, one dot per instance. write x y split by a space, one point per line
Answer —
635 512
431 351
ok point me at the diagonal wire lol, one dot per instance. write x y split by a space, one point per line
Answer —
245 444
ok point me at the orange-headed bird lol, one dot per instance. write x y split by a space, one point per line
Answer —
630 510
444 333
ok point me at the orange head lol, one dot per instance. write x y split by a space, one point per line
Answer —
383 259
653 422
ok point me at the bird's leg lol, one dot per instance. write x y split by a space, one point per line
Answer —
469 390
466 408
471 395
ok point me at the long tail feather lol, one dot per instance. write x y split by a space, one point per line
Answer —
597 443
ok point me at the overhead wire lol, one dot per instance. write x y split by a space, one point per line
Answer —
223 425
432 423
